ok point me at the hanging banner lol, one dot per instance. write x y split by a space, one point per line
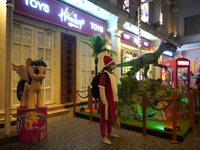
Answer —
60 14
132 39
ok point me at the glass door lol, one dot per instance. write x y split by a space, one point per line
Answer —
44 46
34 43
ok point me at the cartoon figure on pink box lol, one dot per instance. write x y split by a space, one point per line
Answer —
30 83
31 124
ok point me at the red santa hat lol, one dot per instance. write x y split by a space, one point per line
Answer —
107 61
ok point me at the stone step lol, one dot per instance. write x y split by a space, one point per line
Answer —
13 122
14 113
2 116
50 114
55 113
50 107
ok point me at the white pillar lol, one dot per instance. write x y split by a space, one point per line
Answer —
155 72
175 20
2 56
9 20
158 10
115 27
116 41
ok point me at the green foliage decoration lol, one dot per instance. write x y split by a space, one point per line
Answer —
98 45
130 97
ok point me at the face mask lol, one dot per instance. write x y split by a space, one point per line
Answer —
112 67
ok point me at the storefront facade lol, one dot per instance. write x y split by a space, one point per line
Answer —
52 30
129 49
186 18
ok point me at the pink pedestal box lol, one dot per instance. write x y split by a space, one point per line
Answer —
31 124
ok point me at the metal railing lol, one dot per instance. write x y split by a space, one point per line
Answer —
90 100
193 106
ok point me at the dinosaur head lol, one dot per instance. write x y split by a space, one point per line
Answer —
169 46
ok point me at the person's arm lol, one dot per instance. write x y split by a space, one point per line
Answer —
102 91
103 95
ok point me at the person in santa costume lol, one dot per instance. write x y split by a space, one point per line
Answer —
108 99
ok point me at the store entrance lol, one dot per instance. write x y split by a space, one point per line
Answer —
68 66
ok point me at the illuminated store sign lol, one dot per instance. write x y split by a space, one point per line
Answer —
129 53
195 65
145 12
126 36
132 39
168 53
126 5
146 44
96 27
37 5
183 63
71 18
59 14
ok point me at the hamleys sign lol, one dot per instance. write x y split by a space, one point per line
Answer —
132 39
60 14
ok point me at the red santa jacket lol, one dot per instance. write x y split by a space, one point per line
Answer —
109 95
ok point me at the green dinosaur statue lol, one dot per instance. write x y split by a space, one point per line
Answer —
150 58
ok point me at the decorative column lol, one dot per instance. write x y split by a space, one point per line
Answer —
9 20
116 41
155 71
175 20
139 34
115 27
2 57
158 9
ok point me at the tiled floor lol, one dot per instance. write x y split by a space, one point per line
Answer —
67 133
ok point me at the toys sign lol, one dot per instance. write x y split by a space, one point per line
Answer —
60 14
37 5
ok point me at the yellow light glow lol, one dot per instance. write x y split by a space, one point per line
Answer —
161 19
132 48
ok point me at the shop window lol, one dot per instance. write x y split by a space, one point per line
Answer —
128 54
21 50
86 61
87 67
145 12
192 25
44 49
25 46
126 5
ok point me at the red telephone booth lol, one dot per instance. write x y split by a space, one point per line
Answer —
178 75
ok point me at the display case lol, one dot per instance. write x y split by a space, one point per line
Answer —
178 74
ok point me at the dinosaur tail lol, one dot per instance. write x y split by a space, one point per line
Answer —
124 64
20 89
